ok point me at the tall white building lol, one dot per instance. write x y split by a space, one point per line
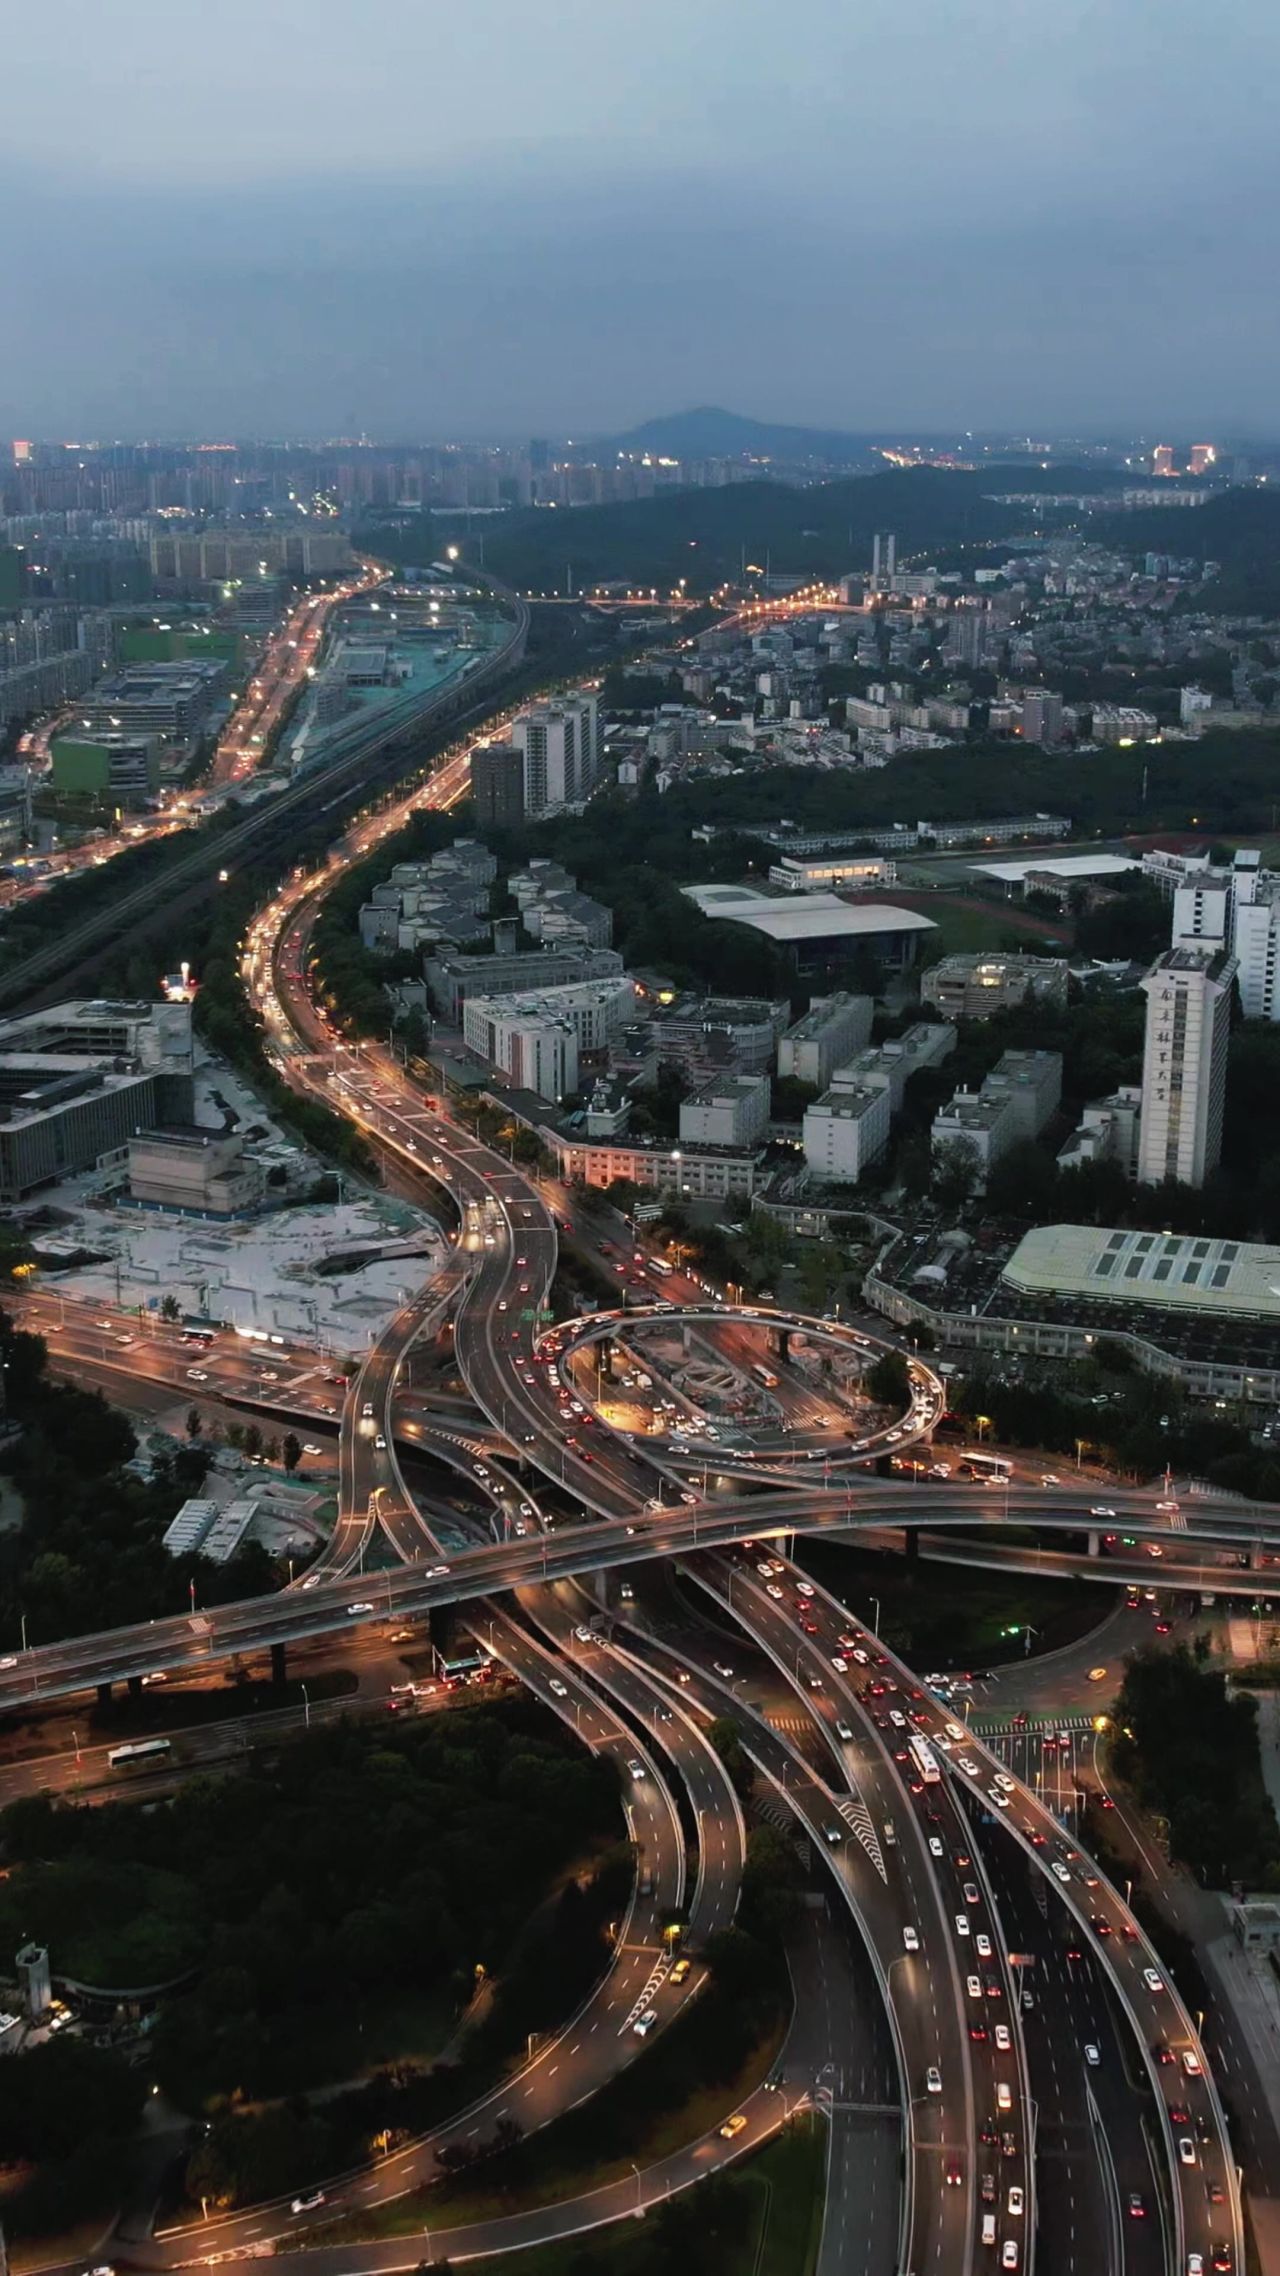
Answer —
1184 1064
561 744
1257 950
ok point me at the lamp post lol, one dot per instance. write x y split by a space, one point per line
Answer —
306 1709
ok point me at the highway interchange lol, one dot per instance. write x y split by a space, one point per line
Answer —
964 1889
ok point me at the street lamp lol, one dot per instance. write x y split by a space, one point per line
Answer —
306 1708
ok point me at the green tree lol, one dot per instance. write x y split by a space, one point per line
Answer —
291 1451
957 1173
170 1308
195 1423
888 1380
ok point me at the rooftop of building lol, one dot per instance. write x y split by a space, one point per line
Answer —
723 1089
816 916
1173 1269
1068 867
967 965
847 1105
827 1012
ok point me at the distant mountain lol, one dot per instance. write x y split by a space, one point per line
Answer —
709 432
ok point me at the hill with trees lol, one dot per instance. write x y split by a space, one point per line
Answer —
705 536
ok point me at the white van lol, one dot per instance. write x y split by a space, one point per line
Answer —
988 2228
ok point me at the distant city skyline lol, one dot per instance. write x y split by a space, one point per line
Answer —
493 224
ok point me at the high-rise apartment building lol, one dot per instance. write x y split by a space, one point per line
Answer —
1184 1064
1256 941
561 746
884 563
497 784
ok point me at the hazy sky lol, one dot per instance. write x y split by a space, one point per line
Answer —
499 218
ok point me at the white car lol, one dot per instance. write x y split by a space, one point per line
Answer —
804 1588
637 1770
437 1572
1003 2043
772 1589
1152 1981
962 1924
983 1944
1060 1872
1003 1779
1015 2200
1091 2054
1100 1510
973 1985
910 1939
935 1846
1009 2253
644 2023
307 2204
933 2079
561 1690
355 1608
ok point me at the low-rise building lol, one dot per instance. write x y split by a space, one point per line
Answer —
1123 723
890 1066
977 987
1031 1082
846 1130
732 1112
832 1029
452 980
828 873
983 1125
109 766
193 1172
1107 1132
209 1529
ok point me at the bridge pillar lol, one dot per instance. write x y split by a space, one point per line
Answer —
134 1685
104 1694
911 1544
1095 1541
1255 1556
278 1664
784 1345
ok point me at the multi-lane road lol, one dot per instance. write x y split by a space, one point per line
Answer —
930 1841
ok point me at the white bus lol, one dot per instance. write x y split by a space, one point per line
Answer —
925 1759
764 1375
139 1750
658 1265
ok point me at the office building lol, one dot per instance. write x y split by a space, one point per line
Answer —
171 701
832 872
560 746
846 1129
534 1047
984 1124
977 987
1184 1064
32 1964
452 980
733 1111
497 785
113 768
832 1029
193 1172
1042 717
